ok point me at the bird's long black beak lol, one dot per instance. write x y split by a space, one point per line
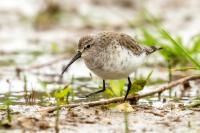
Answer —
77 56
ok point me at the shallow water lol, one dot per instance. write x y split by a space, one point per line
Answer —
23 46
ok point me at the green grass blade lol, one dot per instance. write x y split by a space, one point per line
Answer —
184 51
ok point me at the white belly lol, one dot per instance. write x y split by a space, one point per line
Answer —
119 64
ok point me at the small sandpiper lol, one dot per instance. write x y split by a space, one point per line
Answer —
111 56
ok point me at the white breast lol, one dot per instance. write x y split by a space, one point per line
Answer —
119 63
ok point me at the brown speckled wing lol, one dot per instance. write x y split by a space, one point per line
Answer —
130 43
106 38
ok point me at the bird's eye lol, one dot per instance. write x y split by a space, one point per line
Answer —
87 46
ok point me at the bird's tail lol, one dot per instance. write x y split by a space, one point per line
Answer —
152 49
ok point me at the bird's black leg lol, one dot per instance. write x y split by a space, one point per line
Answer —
96 92
128 88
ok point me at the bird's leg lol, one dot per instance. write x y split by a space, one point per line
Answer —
128 88
96 92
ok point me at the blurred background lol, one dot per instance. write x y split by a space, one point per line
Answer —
38 37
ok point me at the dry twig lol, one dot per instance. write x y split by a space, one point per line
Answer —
130 98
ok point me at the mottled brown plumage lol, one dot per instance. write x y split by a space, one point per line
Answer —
105 38
112 55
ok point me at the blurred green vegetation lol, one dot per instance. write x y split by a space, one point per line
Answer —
62 95
116 87
175 51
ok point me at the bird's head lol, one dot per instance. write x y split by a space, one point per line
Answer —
85 49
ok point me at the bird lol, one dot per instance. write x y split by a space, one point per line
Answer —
111 56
